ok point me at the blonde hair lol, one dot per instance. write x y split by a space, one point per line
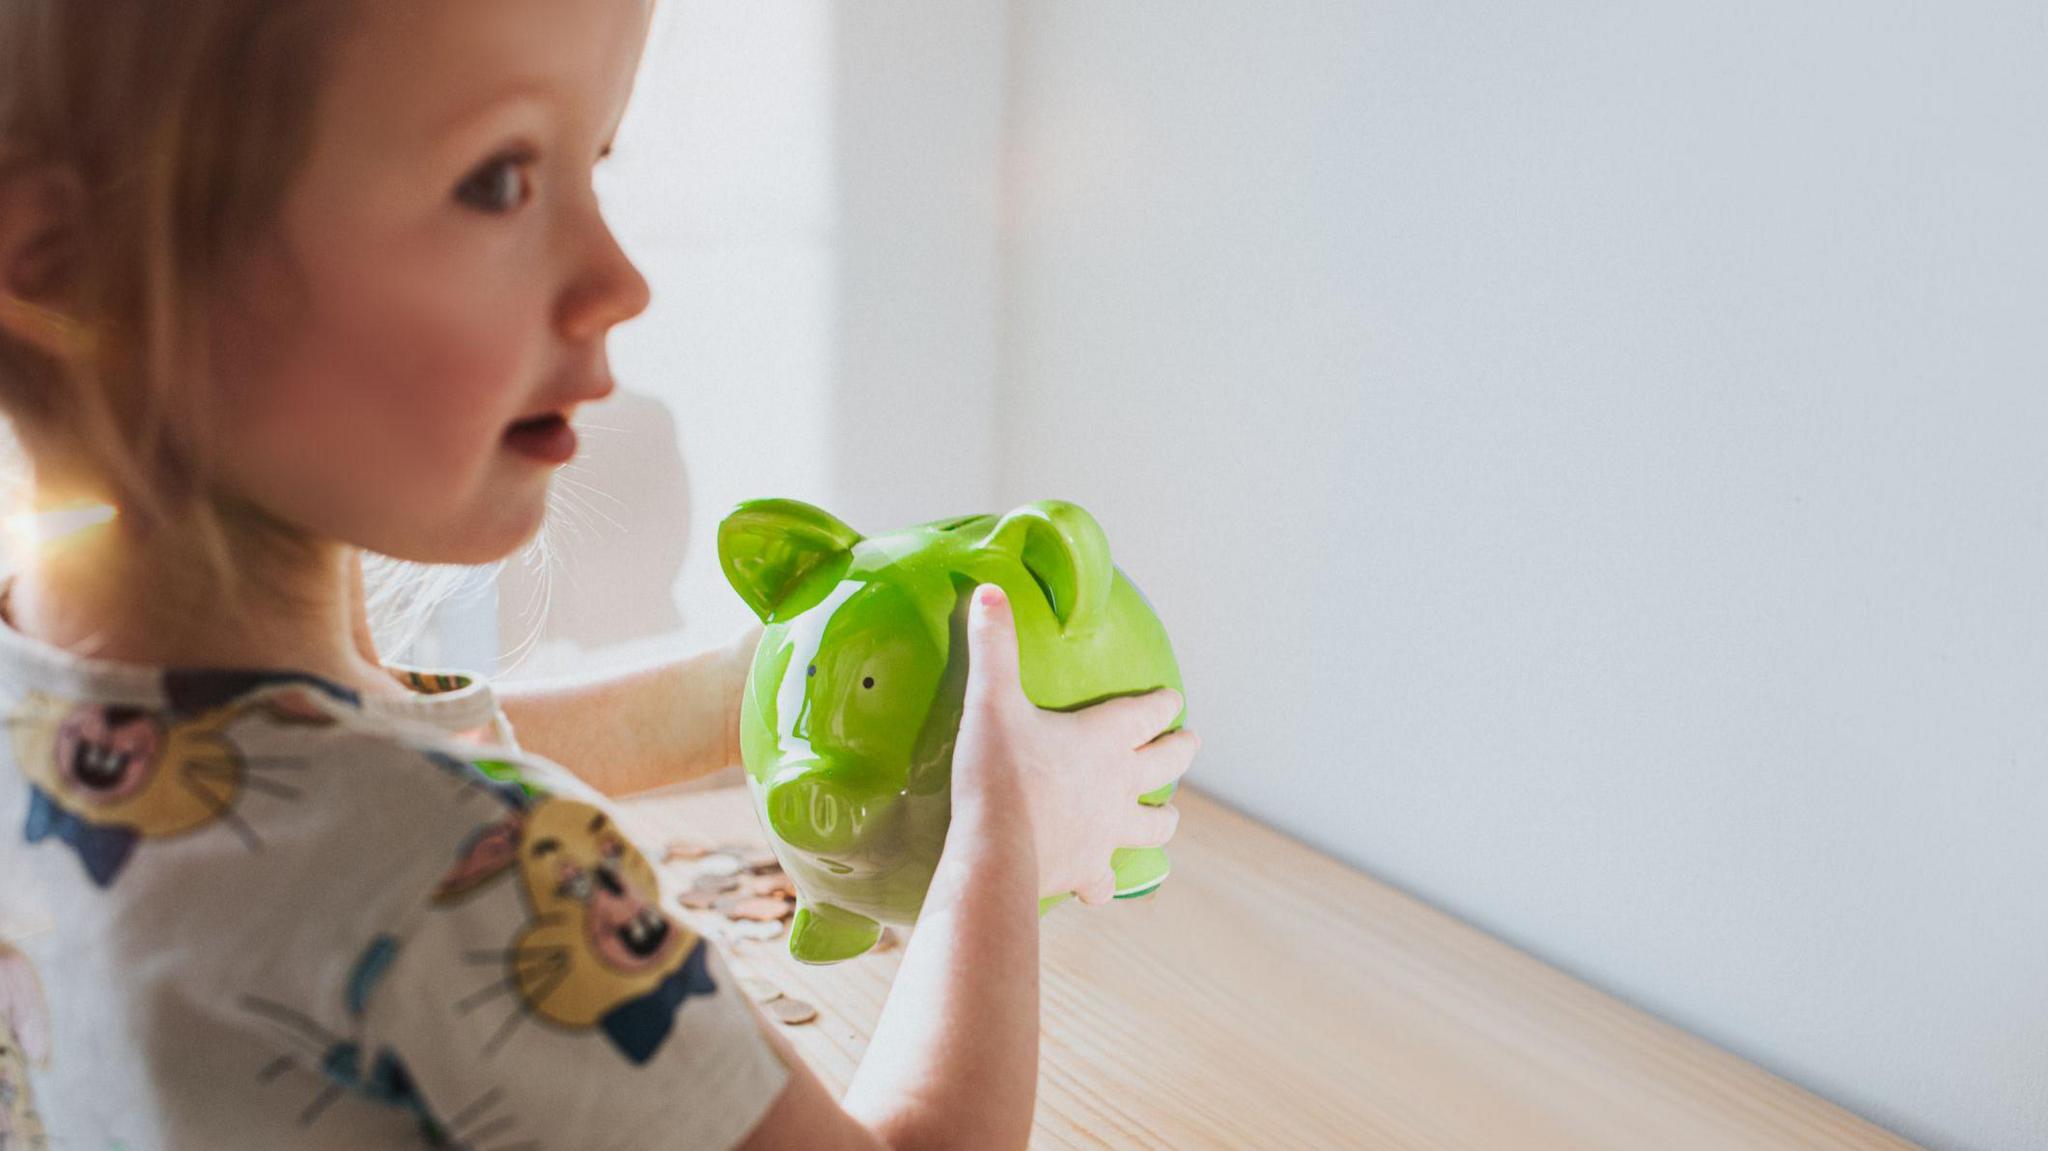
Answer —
183 122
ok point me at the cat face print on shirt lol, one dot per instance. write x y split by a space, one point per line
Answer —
103 778
596 951
346 1062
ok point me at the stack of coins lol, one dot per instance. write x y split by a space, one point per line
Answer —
744 882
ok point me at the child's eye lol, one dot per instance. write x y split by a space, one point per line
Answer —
500 186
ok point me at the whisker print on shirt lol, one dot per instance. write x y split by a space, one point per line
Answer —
223 808
314 1040
106 777
596 952
535 978
347 1064
528 966
212 773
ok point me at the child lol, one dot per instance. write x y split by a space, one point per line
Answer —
283 281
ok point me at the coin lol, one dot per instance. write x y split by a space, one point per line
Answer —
760 907
753 928
715 883
760 989
887 940
683 849
718 863
792 1011
774 883
760 861
698 900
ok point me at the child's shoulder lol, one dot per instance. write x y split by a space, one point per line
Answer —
215 770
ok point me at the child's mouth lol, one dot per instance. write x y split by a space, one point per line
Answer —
547 438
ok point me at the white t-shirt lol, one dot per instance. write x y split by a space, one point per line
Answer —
256 909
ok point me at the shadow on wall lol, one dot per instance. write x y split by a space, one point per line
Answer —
618 527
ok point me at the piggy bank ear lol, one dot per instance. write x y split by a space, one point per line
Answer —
783 556
1065 551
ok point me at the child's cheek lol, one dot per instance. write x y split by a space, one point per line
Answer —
389 390
441 379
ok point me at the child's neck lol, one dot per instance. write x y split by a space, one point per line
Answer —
111 592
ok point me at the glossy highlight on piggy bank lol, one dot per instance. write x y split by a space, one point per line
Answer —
853 702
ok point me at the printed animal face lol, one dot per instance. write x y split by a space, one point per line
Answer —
108 752
578 868
597 940
124 766
107 777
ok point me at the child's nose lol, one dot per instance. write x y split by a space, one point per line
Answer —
609 292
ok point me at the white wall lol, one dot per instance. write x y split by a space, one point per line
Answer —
1594 461
918 112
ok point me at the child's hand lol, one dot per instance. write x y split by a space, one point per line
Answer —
1074 777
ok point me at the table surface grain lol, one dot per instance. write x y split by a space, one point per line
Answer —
1268 996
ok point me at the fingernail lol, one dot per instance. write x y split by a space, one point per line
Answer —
990 595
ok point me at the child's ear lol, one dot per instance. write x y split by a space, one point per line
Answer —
783 556
41 226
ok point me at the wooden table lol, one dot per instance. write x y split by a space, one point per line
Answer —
1268 996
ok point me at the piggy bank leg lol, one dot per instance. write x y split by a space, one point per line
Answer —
1139 870
822 933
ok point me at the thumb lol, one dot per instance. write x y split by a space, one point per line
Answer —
991 647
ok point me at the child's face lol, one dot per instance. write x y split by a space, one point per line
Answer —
440 272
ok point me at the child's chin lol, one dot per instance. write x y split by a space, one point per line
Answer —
499 536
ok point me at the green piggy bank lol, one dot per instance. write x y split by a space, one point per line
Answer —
853 702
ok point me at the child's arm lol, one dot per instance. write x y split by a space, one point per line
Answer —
628 731
644 728
954 1058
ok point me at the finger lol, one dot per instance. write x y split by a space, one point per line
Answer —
1135 719
1167 760
1152 826
1100 891
991 648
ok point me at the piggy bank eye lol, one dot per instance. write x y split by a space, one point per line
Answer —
867 681
812 670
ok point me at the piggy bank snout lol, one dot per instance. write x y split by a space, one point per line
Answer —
814 811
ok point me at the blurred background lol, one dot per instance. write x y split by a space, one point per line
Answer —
1592 458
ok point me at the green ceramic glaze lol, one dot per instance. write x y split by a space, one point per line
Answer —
853 703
